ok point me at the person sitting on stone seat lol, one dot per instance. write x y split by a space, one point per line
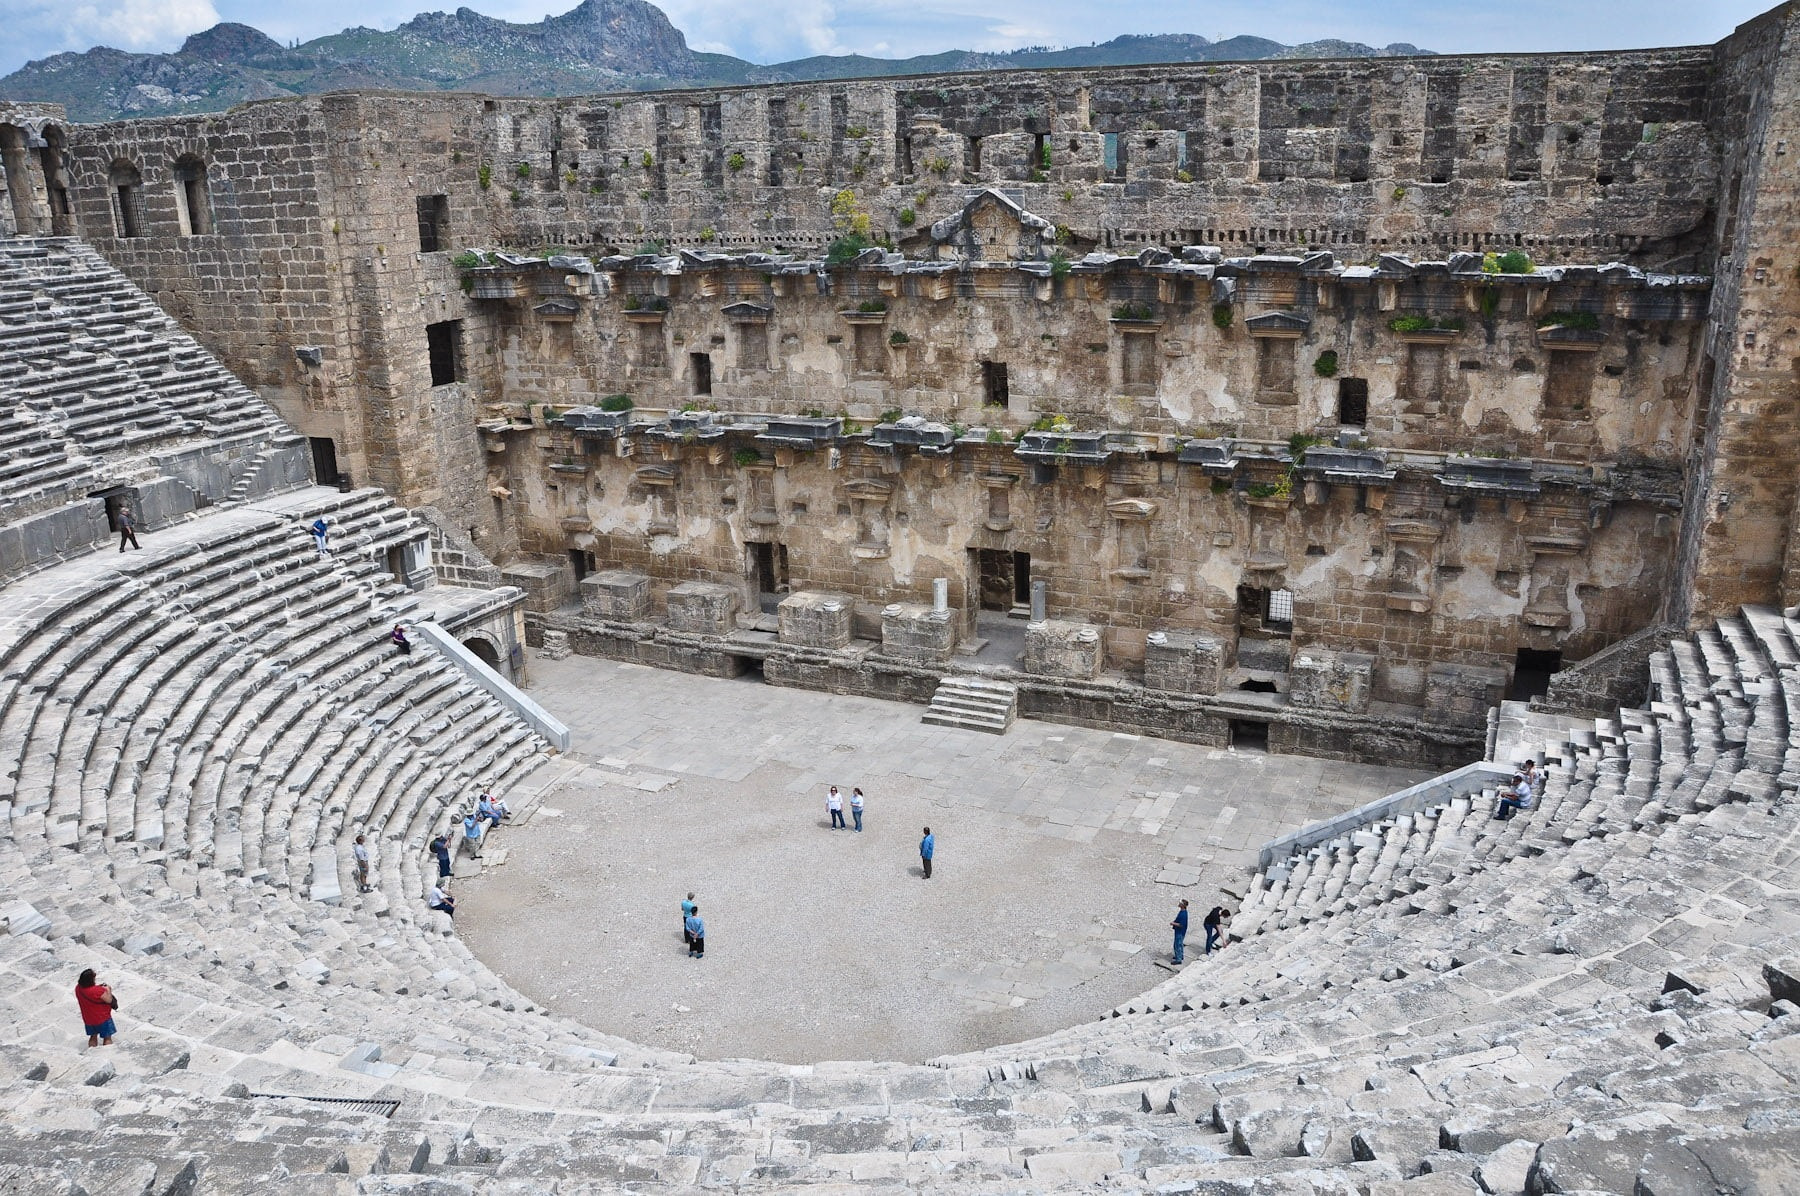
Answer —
400 640
471 836
440 899
1516 797
491 808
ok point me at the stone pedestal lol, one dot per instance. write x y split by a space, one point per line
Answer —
1462 694
918 633
1057 649
1177 662
1320 679
556 646
811 619
546 583
703 608
616 594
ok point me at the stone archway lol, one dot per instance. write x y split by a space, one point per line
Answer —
488 652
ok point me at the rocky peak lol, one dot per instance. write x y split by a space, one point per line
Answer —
229 41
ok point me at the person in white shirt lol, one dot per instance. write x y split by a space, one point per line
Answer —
361 853
834 806
441 900
856 807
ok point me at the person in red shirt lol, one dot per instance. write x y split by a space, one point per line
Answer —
97 1004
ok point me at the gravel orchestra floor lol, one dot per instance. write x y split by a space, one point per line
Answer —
1045 908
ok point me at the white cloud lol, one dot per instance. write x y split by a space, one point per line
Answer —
46 26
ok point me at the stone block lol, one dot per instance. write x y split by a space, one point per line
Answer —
1178 662
1462 694
1055 648
811 619
1325 680
616 594
21 918
703 608
546 583
913 631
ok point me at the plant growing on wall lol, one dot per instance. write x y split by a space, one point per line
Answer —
1221 316
484 174
616 403
1182 176
745 456
937 164
891 415
735 162
1326 364
1059 264
898 338
1426 324
856 131
871 307
1511 262
907 217
1133 311
523 170
996 436
707 234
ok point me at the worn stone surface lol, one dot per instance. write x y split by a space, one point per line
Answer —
701 608
1055 648
616 594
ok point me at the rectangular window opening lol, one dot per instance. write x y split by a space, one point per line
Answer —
1353 402
995 390
434 222
701 364
444 342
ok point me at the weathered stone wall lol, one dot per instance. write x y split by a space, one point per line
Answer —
1738 544
742 337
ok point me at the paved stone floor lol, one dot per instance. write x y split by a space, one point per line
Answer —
1061 855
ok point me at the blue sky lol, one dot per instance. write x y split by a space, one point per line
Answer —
891 28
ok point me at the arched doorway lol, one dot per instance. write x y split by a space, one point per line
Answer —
487 653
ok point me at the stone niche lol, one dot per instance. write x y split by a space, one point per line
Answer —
811 619
616 594
915 632
1320 679
1057 649
1462 694
703 608
1177 662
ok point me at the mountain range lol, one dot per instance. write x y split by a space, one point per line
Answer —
600 45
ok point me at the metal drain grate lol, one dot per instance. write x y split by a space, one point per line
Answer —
386 1108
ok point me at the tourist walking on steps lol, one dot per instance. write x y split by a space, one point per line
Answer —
127 528
97 1004
1215 928
362 865
1179 926
834 806
696 930
441 899
472 835
400 640
927 849
321 534
856 807
688 910
440 847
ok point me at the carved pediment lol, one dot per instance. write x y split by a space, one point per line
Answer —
869 489
1131 508
991 227
746 312
1278 323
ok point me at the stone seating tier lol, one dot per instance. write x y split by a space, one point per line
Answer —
94 372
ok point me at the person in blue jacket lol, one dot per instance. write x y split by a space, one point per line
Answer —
927 849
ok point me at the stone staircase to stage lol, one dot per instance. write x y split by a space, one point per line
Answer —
974 703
